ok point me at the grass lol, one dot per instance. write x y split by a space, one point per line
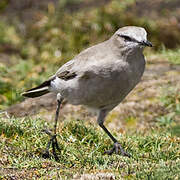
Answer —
173 56
170 100
155 152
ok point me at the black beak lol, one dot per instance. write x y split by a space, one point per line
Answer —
147 43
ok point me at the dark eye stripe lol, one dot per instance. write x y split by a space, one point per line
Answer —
127 38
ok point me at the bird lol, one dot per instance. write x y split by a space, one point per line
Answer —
99 77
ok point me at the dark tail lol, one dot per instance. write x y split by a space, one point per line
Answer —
38 91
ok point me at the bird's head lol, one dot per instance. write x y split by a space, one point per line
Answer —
131 37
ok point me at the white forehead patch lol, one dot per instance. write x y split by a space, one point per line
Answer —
134 32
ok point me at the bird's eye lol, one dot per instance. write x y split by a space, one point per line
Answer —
126 38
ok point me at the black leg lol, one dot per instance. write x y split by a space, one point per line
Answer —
53 139
117 147
108 133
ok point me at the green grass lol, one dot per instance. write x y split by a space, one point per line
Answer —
155 153
173 56
170 100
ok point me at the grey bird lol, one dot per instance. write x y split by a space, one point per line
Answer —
100 77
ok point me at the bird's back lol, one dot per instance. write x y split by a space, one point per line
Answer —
102 79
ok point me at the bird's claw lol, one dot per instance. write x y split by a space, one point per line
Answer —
117 148
55 146
46 155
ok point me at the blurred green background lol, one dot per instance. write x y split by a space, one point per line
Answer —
36 37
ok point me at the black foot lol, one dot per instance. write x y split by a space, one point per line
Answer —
55 146
116 148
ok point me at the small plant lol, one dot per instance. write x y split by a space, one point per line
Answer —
165 120
170 99
173 56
